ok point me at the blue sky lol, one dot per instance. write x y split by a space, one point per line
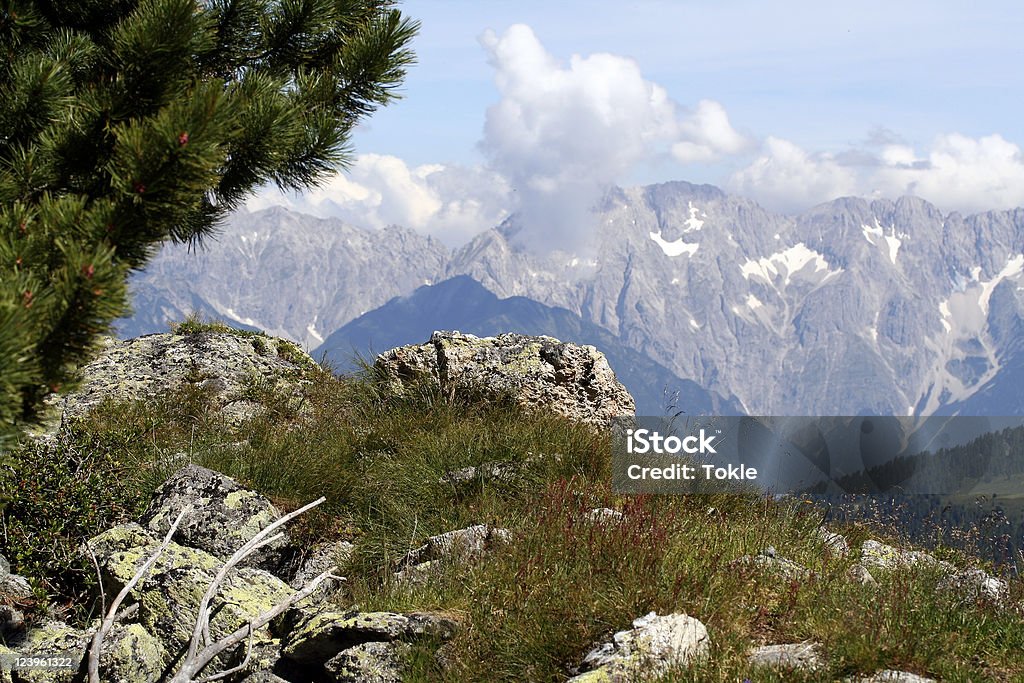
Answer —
791 103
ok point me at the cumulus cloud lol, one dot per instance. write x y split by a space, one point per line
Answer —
561 132
709 135
786 178
452 203
958 173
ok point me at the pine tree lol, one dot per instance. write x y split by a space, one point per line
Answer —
127 123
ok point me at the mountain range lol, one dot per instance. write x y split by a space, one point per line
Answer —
851 307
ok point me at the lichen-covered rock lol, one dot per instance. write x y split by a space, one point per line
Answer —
540 373
224 516
881 556
50 639
654 645
966 584
130 653
368 663
224 364
169 595
789 657
326 634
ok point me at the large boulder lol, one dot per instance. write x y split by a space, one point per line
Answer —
169 595
224 364
540 373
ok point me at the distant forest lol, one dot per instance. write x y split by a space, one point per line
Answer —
970 497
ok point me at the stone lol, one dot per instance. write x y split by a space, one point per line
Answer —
501 472
605 515
263 677
222 364
168 596
891 676
372 662
16 587
11 620
51 638
539 373
972 584
323 635
224 516
789 656
461 543
770 561
131 653
652 647
858 573
881 556
322 557
833 542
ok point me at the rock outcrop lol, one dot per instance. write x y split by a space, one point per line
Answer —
222 364
539 373
150 639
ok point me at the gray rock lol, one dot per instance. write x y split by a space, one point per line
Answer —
322 636
16 587
368 663
502 472
770 561
51 638
789 656
540 373
605 515
891 676
881 556
263 677
972 584
5 567
459 544
858 573
168 596
224 517
323 557
224 365
652 647
11 620
833 542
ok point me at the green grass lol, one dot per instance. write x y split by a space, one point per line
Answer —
530 609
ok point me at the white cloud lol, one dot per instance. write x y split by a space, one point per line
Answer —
563 131
958 173
709 135
452 203
787 178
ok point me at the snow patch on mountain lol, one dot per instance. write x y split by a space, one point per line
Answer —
676 247
693 223
787 264
876 236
